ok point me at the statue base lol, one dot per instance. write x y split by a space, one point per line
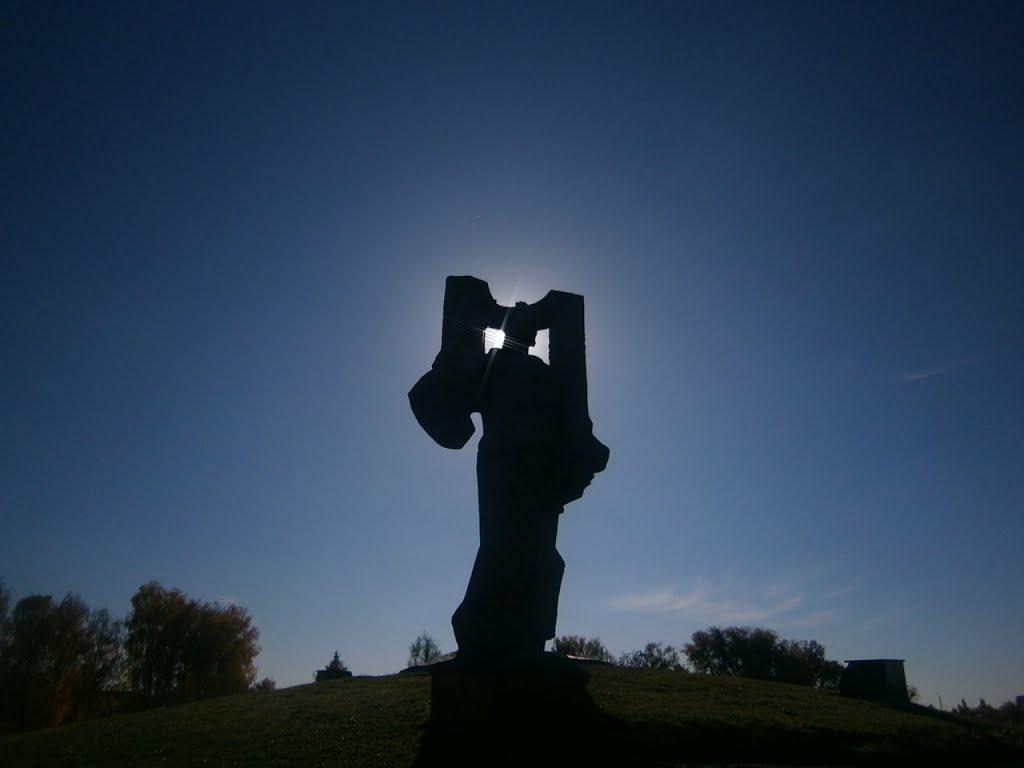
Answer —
489 712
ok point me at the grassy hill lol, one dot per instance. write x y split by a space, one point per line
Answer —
616 717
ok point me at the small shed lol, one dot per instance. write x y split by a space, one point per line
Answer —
881 680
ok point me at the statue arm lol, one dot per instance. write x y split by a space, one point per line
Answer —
442 402
445 396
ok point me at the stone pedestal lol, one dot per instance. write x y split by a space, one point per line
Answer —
487 714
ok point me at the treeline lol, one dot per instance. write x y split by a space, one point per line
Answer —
760 653
737 651
651 656
1009 711
61 661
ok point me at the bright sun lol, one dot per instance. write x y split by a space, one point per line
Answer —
493 338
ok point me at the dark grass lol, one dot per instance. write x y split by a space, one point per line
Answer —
632 717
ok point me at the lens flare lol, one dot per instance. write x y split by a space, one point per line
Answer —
493 338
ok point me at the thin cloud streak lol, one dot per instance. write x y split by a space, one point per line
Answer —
808 599
665 600
938 370
709 604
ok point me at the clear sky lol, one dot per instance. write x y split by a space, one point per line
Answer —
224 233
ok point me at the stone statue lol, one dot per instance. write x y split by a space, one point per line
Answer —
537 454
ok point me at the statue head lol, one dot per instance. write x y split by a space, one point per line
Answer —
520 329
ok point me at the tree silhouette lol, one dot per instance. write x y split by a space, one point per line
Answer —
423 650
56 659
265 685
5 604
183 649
104 662
653 656
157 628
759 653
582 647
334 670
739 651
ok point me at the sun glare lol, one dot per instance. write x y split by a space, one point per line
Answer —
493 338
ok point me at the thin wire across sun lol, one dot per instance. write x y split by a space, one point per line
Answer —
495 338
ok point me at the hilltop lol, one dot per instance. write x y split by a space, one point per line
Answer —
632 717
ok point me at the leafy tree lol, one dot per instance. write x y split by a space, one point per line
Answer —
759 653
740 651
1009 711
183 649
5 604
337 665
582 647
38 645
56 659
830 674
423 650
653 656
265 685
798 661
221 648
103 662
157 629
1012 711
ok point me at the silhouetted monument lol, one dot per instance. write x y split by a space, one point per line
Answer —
537 454
878 679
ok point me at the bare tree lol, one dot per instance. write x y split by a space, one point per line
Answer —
653 656
423 650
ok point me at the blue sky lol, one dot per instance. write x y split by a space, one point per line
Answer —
225 232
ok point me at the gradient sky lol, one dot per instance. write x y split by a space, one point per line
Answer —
798 227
